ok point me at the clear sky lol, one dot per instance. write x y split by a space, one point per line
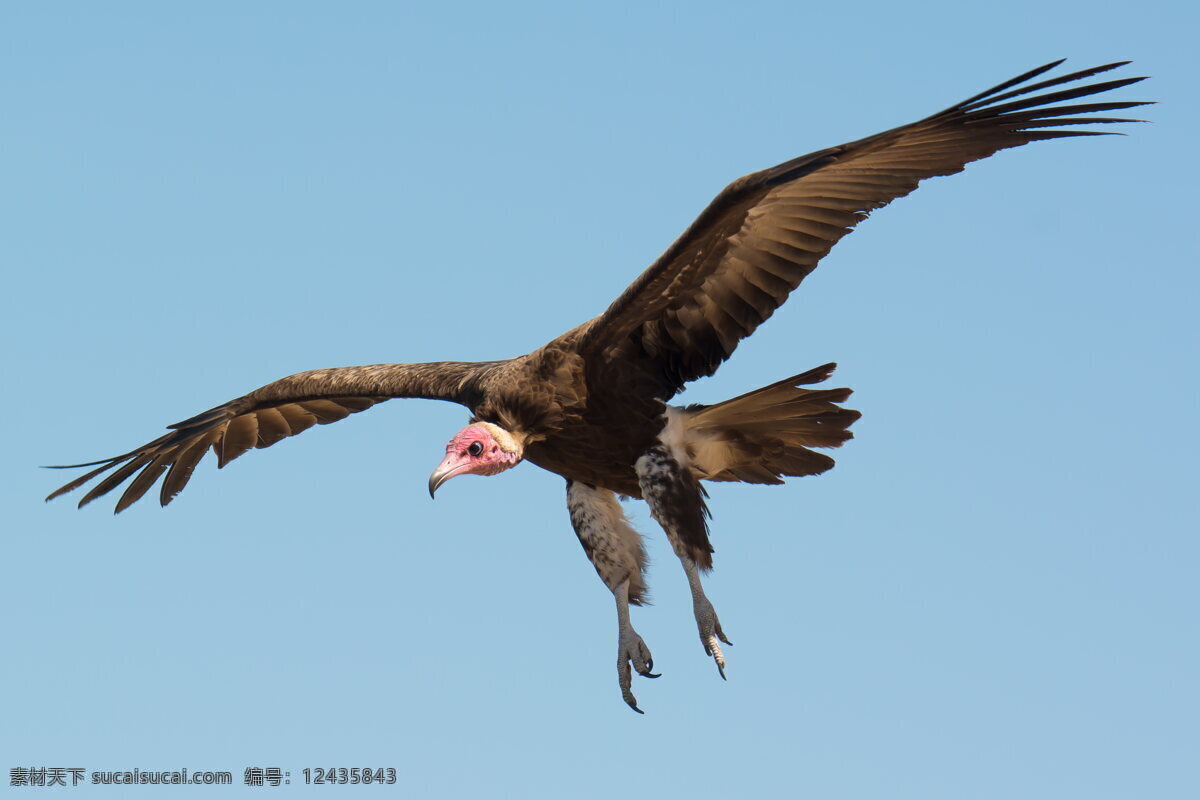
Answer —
993 595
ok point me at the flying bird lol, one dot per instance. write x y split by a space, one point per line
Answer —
593 404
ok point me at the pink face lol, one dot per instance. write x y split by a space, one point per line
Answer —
476 451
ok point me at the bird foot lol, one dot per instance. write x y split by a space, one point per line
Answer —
711 634
632 650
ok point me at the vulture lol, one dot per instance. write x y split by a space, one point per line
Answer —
593 404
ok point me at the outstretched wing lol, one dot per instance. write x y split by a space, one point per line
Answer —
765 232
266 415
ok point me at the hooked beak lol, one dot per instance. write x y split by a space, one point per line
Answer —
452 465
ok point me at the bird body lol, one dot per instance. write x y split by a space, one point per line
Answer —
592 405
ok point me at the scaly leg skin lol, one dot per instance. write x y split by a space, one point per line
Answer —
677 503
706 617
631 649
616 551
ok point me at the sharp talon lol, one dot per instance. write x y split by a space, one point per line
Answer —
632 652
721 669
650 674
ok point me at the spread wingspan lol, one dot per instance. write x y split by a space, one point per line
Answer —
591 404
767 231
265 416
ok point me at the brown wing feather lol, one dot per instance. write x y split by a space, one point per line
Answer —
765 232
269 414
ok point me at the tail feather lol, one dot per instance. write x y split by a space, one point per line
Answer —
763 435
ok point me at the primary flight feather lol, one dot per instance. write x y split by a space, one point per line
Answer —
591 405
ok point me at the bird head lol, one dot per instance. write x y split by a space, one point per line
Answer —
481 448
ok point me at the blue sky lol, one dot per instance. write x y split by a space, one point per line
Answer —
993 595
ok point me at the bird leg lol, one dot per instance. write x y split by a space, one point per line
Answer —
676 502
616 551
706 617
631 649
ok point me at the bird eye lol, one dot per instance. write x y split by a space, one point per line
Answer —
476 449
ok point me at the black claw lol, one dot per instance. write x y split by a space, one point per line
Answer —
633 705
645 671
721 670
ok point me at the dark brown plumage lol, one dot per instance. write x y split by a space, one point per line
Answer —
591 404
